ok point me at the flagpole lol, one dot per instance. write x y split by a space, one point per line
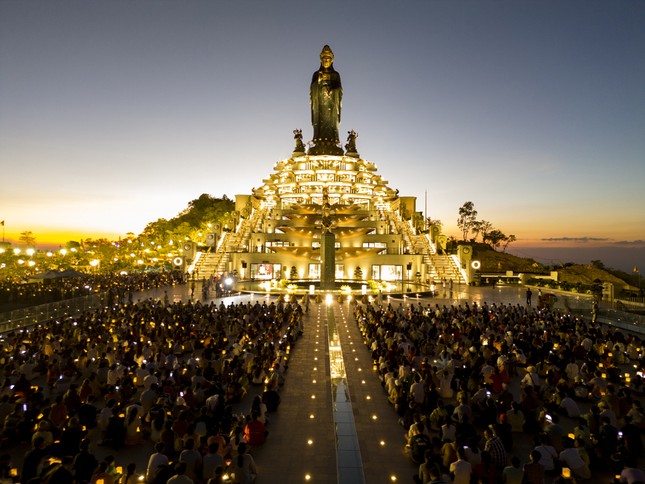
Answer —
425 210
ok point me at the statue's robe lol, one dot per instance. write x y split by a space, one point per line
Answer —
326 95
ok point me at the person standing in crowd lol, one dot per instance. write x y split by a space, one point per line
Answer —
461 470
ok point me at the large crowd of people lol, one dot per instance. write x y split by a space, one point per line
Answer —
177 377
171 375
23 292
449 374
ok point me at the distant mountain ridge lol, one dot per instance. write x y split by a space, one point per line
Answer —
585 274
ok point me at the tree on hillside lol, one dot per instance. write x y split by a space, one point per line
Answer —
179 233
467 219
27 238
598 264
205 209
508 240
482 227
433 221
101 248
156 230
191 221
495 237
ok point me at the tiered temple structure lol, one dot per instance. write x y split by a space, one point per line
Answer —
326 215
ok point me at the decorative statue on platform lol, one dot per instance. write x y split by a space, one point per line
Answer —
300 147
325 97
350 147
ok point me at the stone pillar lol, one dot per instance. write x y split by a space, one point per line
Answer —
328 261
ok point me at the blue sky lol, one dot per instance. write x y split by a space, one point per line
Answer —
116 113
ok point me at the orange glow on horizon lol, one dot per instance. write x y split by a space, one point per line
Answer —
51 237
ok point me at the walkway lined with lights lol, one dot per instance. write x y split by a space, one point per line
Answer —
301 445
348 452
331 429
380 436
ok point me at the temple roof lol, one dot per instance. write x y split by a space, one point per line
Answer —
313 230
301 181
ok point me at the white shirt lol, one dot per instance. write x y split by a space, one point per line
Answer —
571 457
462 469
572 370
157 459
417 391
572 460
549 455
530 379
571 407
149 380
448 432
113 376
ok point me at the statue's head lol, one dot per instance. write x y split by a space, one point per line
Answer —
326 57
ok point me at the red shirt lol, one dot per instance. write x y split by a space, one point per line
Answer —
254 432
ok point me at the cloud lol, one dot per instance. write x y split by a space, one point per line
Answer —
576 239
630 243
608 242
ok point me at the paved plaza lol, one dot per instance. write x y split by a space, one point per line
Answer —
335 424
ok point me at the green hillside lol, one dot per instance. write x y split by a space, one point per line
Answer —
571 274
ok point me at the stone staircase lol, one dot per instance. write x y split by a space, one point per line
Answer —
400 226
443 266
437 266
440 265
208 263
217 262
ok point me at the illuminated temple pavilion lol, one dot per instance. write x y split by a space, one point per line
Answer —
279 232
325 213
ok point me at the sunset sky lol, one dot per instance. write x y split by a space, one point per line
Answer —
117 113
